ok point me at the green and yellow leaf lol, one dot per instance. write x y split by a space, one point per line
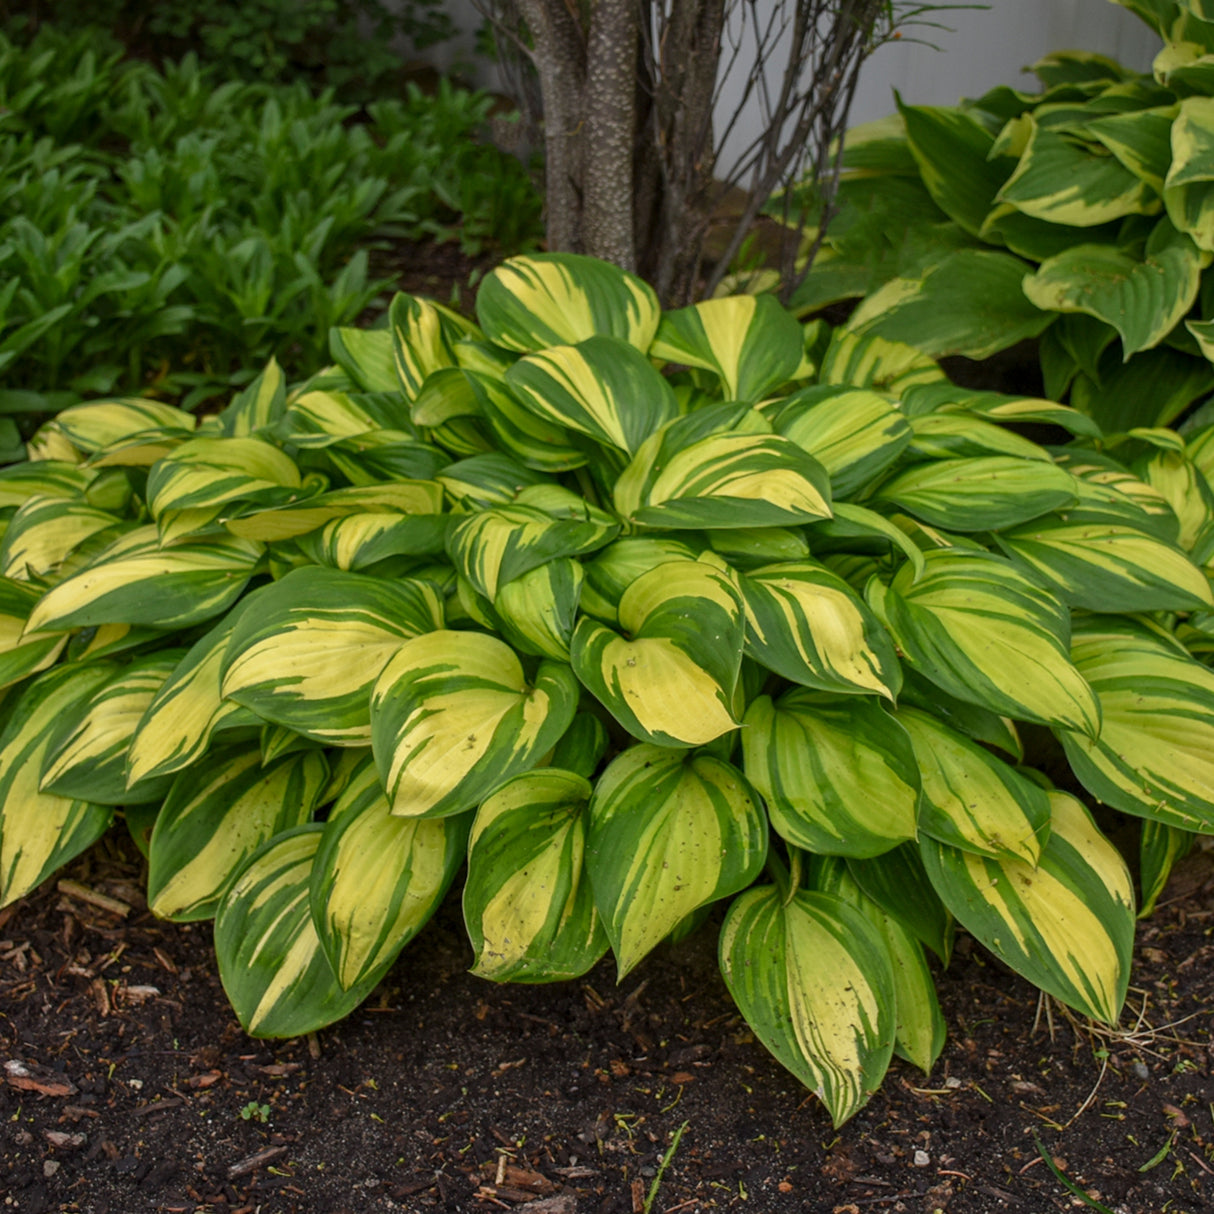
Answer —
669 832
453 716
814 981
528 903
377 878
838 775
1066 924
213 821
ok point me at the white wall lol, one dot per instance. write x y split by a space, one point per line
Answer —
978 50
992 47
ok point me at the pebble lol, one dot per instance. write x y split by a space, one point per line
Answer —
1140 1070
922 1159
952 1082
49 1168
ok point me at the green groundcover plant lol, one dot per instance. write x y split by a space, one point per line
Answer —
1082 214
618 614
162 230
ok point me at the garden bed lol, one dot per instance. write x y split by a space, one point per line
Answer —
131 1088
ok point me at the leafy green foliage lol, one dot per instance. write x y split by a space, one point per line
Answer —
163 231
321 647
1082 214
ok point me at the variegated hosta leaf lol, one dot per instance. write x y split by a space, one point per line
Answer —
521 432
968 303
260 405
528 903
961 435
854 433
1143 299
838 775
1160 847
360 541
751 342
687 476
866 361
975 722
1111 493
920 1031
552 299
40 832
1188 191
366 356
422 332
1155 753
452 716
177 725
377 878
814 981
22 653
669 832
998 407
1066 924
984 632
136 581
207 473
808 625
984 494
273 969
100 425
88 757
307 649
971 798
1107 566
493 547
582 746
540 608
212 822
752 547
42 478
852 522
671 677
1141 140
618 565
1061 180
321 419
45 531
413 498
897 882
1184 488
603 388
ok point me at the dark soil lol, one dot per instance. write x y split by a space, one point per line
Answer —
129 1087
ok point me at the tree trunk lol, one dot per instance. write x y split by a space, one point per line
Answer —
610 133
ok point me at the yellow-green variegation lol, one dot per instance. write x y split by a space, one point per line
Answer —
805 623
752 343
670 675
669 832
453 715
838 775
528 904
40 831
271 963
985 633
1154 756
813 979
306 650
1065 923
377 877
212 822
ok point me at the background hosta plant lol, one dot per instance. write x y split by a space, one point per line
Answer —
1080 215
638 614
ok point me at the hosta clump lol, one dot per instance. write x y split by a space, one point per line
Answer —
632 614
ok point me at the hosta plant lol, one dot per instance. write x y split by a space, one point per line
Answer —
1081 214
618 616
